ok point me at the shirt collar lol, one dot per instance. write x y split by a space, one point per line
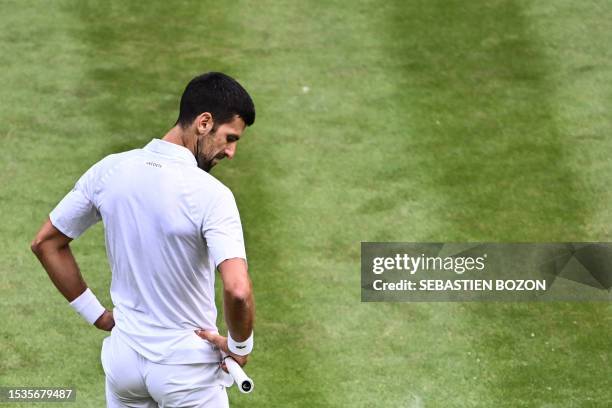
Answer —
172 150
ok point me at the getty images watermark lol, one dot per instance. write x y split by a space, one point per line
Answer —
406 272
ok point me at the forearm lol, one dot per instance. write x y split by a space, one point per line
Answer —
239 311
62 269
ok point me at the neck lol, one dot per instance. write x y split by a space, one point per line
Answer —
181 137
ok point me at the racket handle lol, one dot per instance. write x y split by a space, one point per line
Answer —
244 383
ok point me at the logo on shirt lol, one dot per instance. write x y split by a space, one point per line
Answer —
153 164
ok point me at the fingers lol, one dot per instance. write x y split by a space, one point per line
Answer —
210 336
105 321
241 360
204 334
218 341
221 343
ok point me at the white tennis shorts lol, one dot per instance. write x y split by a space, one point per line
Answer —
133 381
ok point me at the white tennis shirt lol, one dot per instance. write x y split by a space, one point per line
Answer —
168 225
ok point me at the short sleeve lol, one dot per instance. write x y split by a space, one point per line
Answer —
77 211
222 230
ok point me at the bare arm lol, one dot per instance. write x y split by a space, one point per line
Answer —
52 249
238 305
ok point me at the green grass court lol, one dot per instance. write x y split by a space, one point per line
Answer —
376 121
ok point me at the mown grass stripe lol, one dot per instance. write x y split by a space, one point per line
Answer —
504 171
321 151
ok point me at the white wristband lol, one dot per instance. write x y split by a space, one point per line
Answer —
88 306
240 348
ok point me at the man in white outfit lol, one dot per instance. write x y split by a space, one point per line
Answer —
168 226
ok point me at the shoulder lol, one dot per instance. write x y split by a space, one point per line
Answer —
206 181
98 172
116 158
207 187
113 160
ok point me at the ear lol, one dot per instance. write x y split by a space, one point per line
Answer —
204 123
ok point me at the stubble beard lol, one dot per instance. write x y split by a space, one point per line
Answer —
204 162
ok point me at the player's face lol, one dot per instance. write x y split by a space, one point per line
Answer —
220 144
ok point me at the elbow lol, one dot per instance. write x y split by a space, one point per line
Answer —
36 247
241 292
48 240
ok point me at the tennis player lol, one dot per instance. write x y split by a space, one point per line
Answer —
168 226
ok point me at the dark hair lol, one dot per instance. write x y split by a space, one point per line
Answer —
219 94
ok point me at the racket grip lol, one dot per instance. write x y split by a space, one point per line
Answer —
244 383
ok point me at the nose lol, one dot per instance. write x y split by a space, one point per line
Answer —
230 150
